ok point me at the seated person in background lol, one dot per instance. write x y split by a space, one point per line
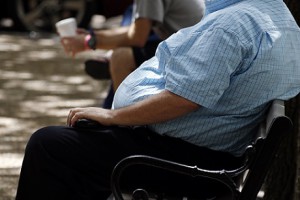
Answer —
198 101
131 44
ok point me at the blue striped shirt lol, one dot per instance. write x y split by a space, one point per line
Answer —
242 55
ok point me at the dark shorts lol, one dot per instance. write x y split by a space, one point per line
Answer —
145 53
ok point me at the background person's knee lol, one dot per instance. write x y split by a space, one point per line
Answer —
121 57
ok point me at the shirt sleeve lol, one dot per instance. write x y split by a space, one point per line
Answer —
201 66
151 9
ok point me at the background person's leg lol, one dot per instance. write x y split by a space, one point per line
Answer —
107 103
122 63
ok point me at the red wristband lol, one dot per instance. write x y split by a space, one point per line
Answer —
86 40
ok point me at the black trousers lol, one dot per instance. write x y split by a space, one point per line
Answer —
65 163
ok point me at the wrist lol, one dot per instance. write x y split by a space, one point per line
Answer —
110 118
86 41
90 41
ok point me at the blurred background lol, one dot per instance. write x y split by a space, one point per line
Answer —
38 82
41 15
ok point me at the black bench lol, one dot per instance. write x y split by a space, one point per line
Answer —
258 158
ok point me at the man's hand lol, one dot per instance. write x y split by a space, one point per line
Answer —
74 45
97 114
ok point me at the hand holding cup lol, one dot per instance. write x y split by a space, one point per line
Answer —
66 27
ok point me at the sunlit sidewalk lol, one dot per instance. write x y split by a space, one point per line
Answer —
38 86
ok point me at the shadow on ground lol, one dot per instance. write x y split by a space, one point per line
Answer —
38 86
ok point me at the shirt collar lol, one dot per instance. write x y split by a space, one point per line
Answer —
214 5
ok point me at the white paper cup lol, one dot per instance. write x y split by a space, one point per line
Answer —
66 27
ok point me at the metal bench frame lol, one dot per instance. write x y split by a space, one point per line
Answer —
258 158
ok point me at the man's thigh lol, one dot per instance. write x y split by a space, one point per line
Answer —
90 155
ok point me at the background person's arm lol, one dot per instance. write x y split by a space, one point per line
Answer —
158 108
134 35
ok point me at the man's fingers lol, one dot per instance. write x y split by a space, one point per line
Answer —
69 117
74 115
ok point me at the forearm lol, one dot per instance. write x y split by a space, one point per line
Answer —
158 108
134 35
112 38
